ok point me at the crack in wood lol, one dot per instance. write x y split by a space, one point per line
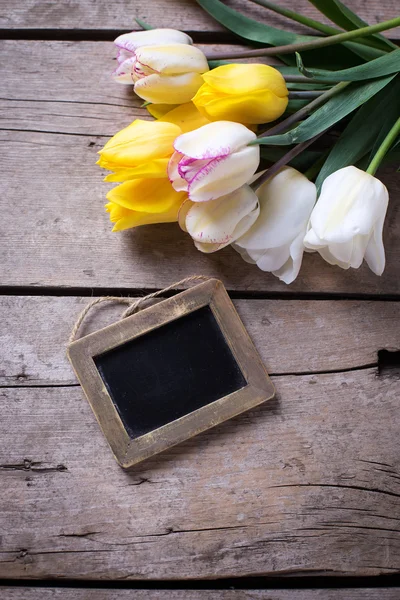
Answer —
339 486
35 466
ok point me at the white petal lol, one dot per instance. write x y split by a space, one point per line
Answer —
375 251
168 89
221 221
124 72
220 176
289 271
286 202
178 183
214 140
182 214
172 59
136 39
350 203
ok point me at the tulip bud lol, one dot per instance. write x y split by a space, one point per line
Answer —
213 161
275 241
347 222
245 93
128 43
217 223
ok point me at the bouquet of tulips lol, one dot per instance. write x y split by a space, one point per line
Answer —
232 152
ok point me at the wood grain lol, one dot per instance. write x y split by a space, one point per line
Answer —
305 484
291 336
26 593
181 14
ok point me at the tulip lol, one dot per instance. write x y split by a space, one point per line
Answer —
213 161
347 222
144 148
245 93
275 241
217 223
143 202
128 43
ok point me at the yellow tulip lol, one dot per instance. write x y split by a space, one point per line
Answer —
143 148
245 93
143 202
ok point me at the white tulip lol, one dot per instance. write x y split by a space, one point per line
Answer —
128 43
217 223
275 241
347 221
213 161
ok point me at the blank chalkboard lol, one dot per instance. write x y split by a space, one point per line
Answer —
170 372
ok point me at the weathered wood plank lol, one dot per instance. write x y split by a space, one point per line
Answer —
180 14
26 593
57 234
291 336
306 484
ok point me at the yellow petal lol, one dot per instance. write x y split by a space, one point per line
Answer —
153 170
139 142
146 195
245 78
254 107
186 116
126 219
159 110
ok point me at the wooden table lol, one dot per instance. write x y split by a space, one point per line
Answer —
307 485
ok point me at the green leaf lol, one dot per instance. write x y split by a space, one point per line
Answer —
364 128
340 14
264 34
335 109
384 65
143 24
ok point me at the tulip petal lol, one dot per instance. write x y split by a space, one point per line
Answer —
286 201
186 116
172 59
217 223
214 140
183 211
375 251
125 218
139 142
255 107
220 176
146 195
246 78
172 89
135 39
156 169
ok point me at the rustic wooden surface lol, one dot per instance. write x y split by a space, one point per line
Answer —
308 483
96 594
305 485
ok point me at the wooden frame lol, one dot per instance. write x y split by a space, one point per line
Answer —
128 451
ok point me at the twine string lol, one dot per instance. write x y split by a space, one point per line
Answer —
132 306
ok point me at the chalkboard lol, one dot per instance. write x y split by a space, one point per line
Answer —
170 372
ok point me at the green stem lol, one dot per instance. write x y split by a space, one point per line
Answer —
317 25
286 158
384 147
305 95
305 111
318 43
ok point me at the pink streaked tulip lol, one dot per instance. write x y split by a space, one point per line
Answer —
217 223
213 161
128 43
